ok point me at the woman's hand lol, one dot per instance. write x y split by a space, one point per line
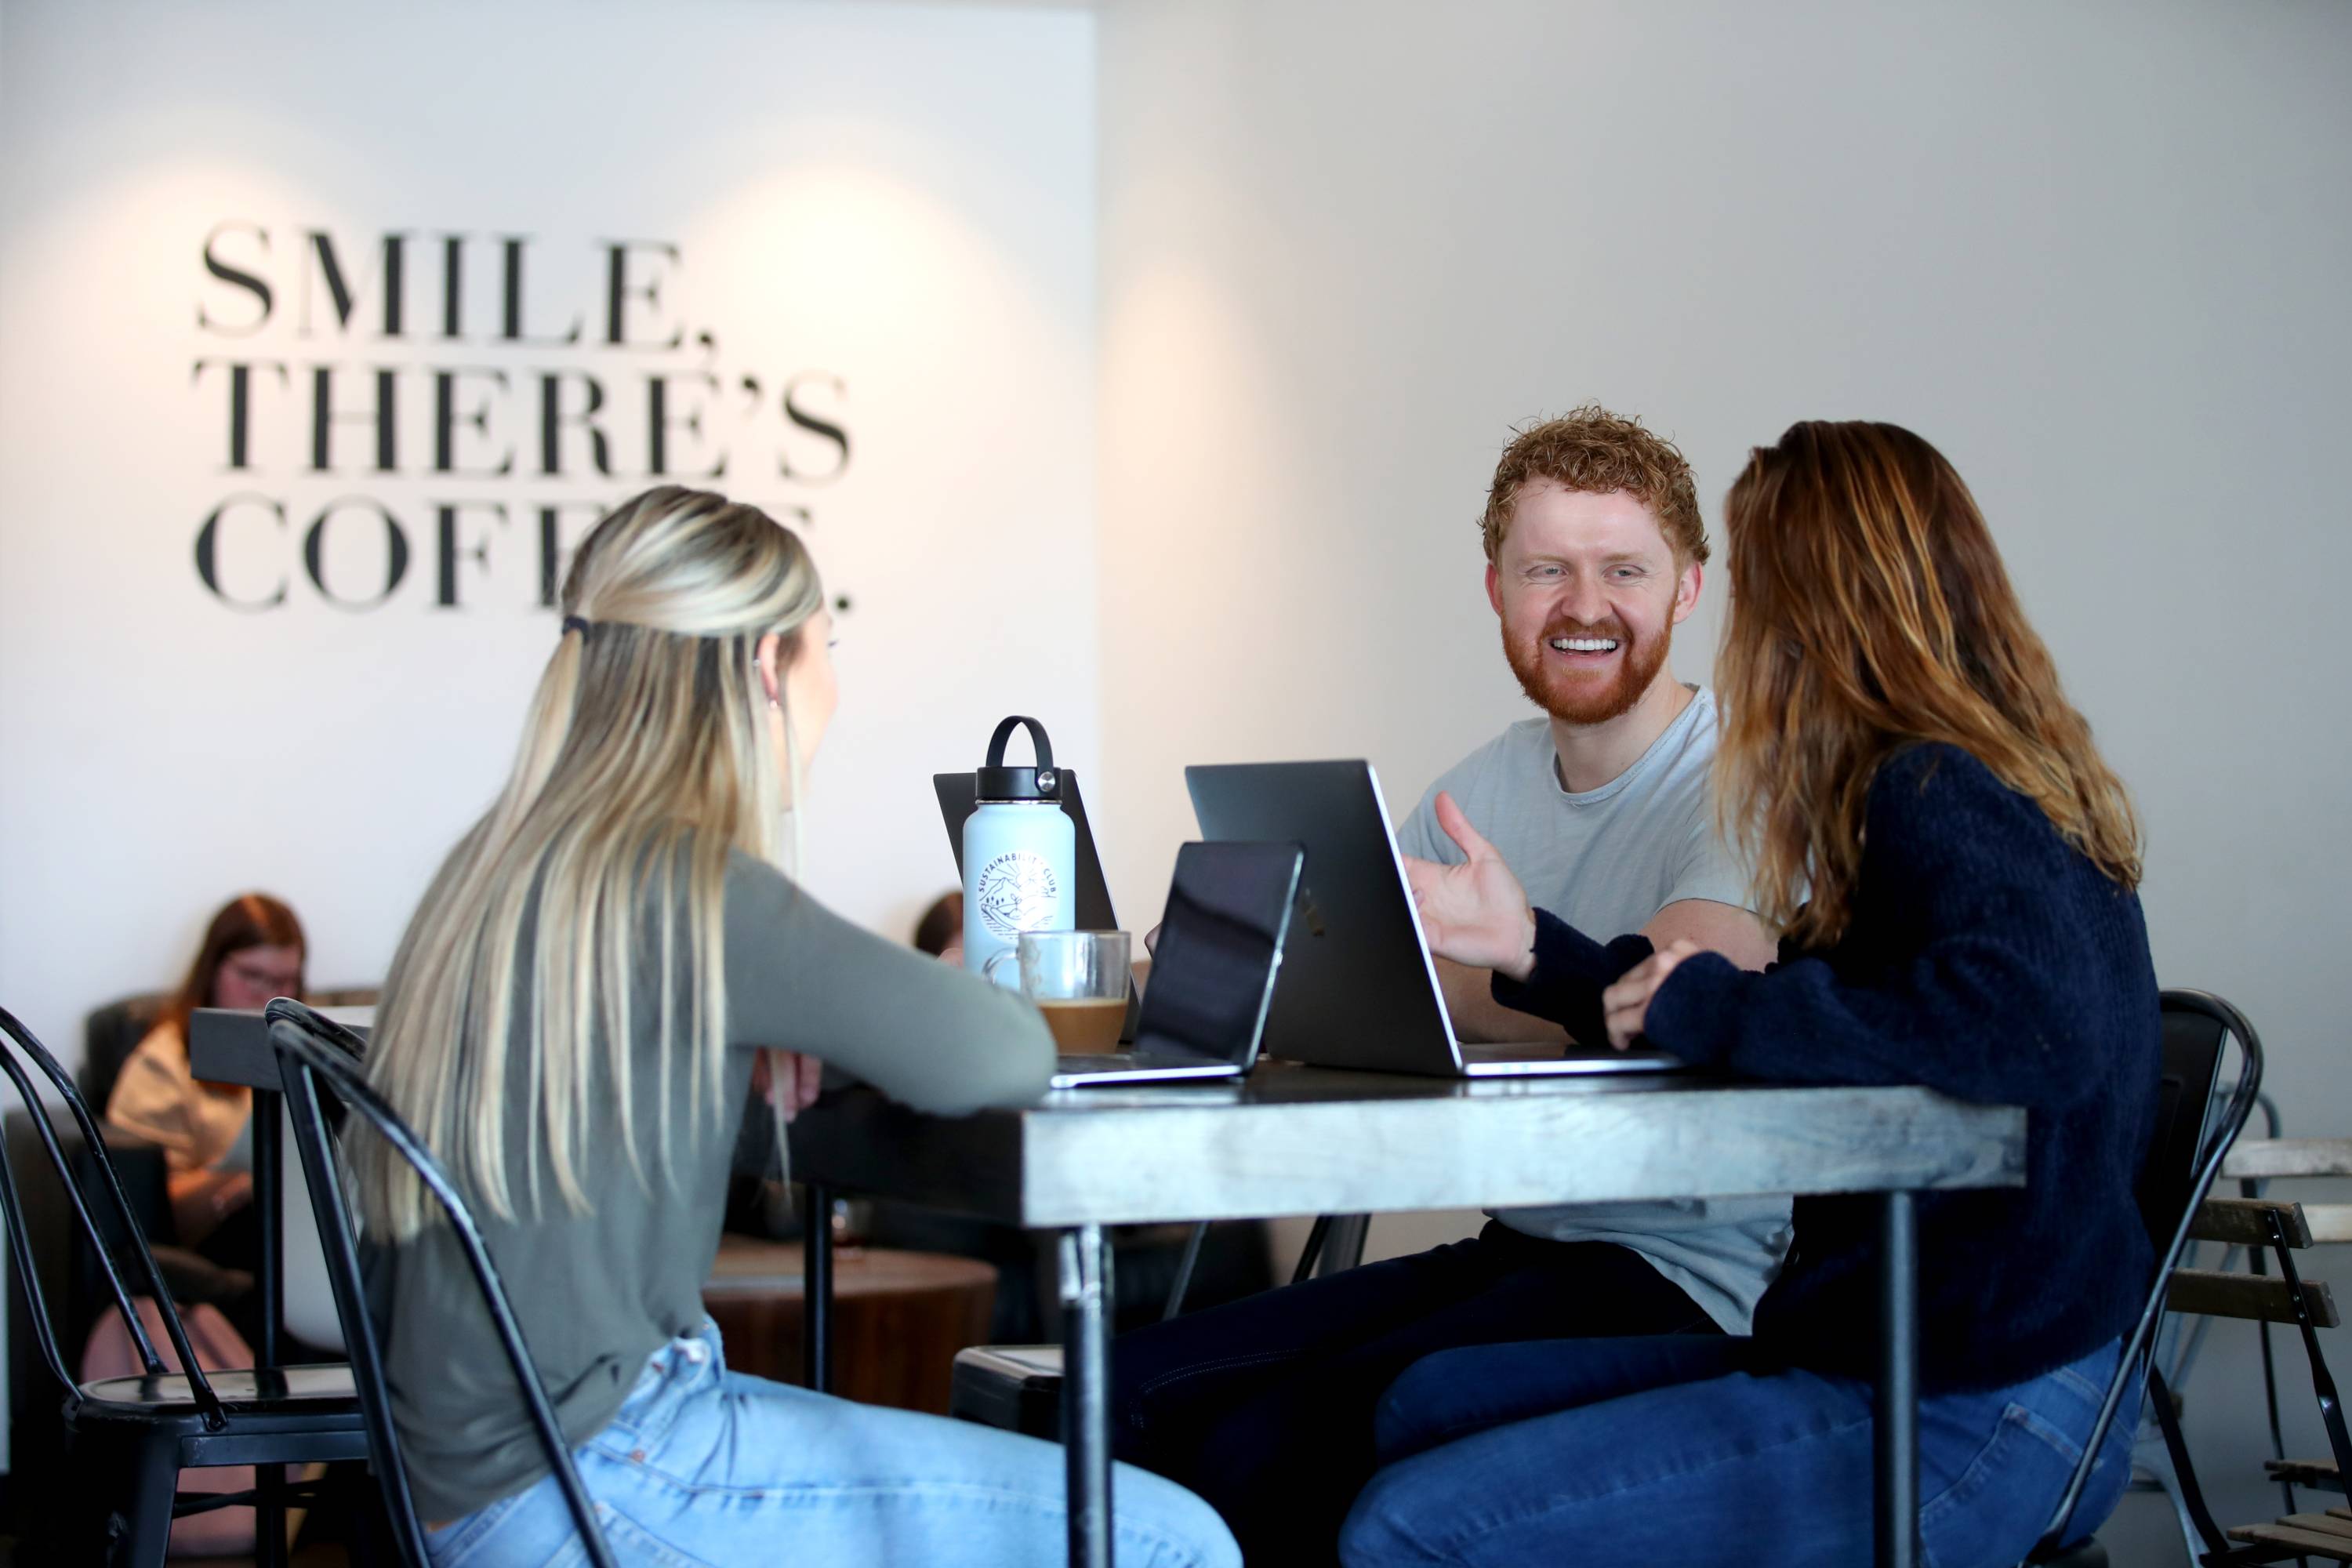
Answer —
202 1199
1474 913
1626 1005
789 1080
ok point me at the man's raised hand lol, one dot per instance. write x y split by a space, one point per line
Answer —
1474 913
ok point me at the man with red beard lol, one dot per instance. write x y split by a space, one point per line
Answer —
1595 552
1601 805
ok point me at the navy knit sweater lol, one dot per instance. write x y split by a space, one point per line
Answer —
1986 959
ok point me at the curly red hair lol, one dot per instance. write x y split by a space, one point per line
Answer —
1593 451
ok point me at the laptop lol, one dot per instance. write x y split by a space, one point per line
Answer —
1358 988
956 792
1213 977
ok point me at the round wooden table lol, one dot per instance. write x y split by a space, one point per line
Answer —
898 1318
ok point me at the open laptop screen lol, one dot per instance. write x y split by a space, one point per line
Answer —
1219 944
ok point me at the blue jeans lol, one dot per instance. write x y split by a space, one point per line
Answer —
705 1468
1664 1452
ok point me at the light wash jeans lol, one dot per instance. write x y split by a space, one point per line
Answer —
705 1468
1664 1452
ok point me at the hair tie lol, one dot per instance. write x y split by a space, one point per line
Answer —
574 623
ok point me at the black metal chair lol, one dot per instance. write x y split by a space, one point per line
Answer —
129 1438
2183 1159
310 1048
70 1273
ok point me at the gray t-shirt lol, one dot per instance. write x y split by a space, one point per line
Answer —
1606 861
598 1293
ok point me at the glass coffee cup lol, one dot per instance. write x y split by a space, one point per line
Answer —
1078 979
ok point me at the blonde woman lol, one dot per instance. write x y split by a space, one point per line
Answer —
577 1003
1953 866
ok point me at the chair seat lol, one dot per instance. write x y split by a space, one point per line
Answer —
2326 1535
294 1414
2082 1554
2320 1473
286 1390
1014 1388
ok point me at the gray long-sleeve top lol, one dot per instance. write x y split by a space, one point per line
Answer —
597 1293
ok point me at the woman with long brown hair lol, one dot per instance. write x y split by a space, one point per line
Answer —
1953 867
252 951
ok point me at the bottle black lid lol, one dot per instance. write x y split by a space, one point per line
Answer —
998 783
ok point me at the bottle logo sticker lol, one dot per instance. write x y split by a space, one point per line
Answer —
1017 892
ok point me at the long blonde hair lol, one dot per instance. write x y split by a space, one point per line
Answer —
645 759
1870 612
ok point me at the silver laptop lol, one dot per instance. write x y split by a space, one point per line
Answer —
1213 978
1358 989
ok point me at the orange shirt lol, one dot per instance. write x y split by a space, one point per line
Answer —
157 1099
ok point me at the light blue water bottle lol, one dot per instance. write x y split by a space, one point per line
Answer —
1020 853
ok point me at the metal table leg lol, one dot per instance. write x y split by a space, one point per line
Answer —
1895 1417
1343 1249
816 1290
269 1278
1086 1392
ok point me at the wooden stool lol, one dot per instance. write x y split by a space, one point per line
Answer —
898 1318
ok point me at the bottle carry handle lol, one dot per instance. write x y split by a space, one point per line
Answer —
1045 748
1046 781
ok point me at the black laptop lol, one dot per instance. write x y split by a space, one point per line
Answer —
1212 975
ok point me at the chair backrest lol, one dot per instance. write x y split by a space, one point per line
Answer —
118 1225
109 1036
311 1049
2193 1043
2183 1157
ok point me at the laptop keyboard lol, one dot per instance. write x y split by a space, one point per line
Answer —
1120 1063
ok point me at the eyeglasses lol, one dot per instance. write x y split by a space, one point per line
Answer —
278 982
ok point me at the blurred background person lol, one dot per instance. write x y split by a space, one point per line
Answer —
252 951
941 926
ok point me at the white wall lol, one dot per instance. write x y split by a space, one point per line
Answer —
2095 252
891 207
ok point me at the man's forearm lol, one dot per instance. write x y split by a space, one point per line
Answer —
1478 1016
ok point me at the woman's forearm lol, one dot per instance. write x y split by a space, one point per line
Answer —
202 1199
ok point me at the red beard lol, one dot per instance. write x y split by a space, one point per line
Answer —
1580 697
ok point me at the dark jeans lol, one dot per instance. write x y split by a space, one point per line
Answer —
1669 1454
1265 1406
236 1241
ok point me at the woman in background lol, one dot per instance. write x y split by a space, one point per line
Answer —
1953 867
941 926
252 951
575 1009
